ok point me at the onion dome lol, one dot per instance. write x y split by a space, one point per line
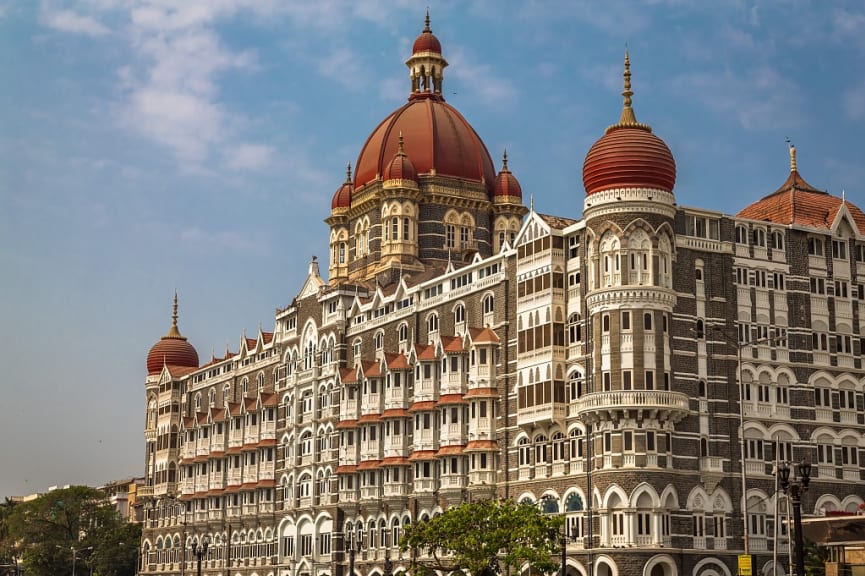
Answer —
427 41
798 203
628 155
342 197
172 349
400 168
506 185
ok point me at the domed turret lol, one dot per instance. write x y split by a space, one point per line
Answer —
628 155
400 168
342 197
427 41
172 349
438 139
506 185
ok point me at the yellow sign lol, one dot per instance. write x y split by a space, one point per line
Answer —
745 565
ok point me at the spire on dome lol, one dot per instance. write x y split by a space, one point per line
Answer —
628 119
348 173
426 27
792 158
505 161
174 331
426 64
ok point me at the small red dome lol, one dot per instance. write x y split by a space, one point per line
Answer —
342 197
437 138
629 157
171 350
400 168
427 41
506 183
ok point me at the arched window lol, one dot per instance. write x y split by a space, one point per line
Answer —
432 323
459 314
489 304
402 332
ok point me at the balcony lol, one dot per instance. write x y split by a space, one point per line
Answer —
453 482
555 411
639 404
482 478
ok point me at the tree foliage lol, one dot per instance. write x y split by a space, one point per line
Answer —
45 533
483 538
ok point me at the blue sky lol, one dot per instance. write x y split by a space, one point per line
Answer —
154 145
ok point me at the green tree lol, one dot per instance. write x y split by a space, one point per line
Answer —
51 530
815 558
483 538
8 561
115 552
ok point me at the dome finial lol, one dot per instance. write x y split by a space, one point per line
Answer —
505 161
348 173
792 156
426 27
628 117
174 332
401 151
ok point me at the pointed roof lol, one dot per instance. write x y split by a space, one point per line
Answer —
172 349
797 203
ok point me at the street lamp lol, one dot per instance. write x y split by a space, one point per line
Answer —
563 539
741 384
199 550
75 553
352 547
794 489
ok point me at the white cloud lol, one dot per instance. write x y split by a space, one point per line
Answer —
69 21
854 103
249 156
493 88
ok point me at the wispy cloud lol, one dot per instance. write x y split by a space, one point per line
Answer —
249 156
73 23
760 99
481 80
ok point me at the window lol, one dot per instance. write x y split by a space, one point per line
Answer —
626 320
776 240
647 321
839 249
815 247
489 303
741 235
432 323
460 314
379 340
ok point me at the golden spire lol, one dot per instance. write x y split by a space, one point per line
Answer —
793 158
628 119
401 151
174 332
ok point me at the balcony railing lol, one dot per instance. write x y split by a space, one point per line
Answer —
660 404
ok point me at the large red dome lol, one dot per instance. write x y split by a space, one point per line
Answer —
171 350
437 138
629 157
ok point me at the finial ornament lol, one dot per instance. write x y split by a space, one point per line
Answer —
426 27
532 202
628 119
793 158
401 151
174 332
505 161
348 173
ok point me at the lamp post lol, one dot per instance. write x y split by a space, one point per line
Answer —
743 471
563 548
352 547
199 550
388 565
75 553
794 488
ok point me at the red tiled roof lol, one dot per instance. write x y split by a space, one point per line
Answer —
217 454
484 336
188 421
347 375
248 485
396 413
369 465
395 461
266 483
201 417
270 399
346 424
234 450
397 362
422 455
267 442
250 343
450 450
267 337
481 445
368 418
482 393
425 352
452 344
346 469
251 404
235 408
371 369
451 399
421 406
218 414
798 203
